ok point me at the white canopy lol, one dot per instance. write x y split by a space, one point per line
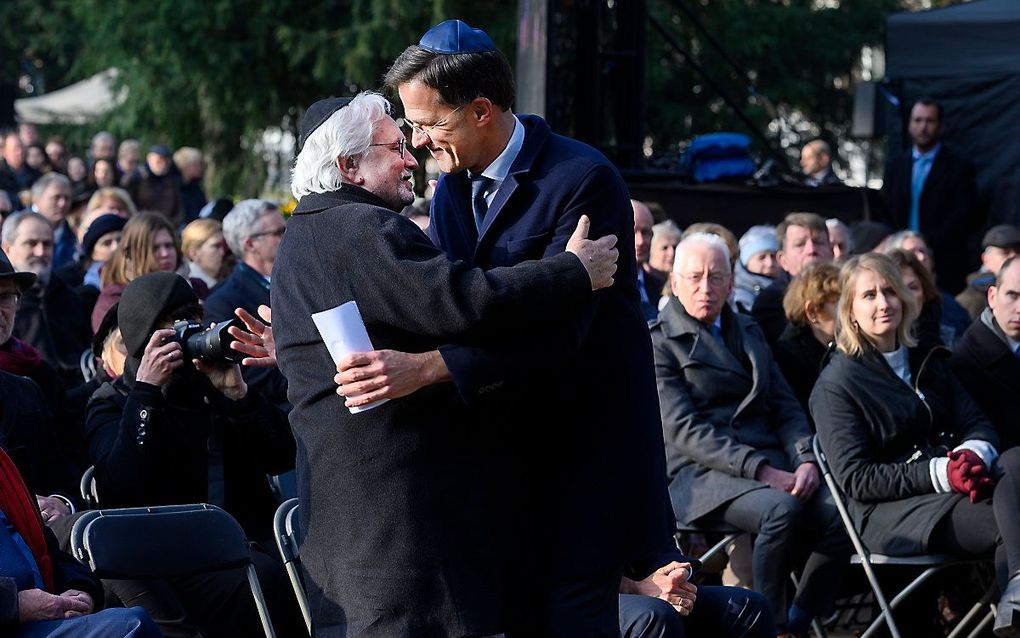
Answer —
74 104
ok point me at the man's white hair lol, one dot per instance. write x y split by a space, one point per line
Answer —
707 240
346 133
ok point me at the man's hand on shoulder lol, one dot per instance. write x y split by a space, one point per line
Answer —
597 256
366 377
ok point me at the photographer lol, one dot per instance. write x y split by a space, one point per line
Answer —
173 429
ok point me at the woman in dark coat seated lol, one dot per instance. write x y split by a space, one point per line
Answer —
928 327
907 445
810 308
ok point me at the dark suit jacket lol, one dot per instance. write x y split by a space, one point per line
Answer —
589 454
768 308
54 321
722 416
950 217
988 370
396 502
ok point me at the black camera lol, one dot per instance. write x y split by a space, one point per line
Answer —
210 345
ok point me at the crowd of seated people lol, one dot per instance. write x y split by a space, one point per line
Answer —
812 325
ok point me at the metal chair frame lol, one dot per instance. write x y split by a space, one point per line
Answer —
933 563
87 487
146 559
285 530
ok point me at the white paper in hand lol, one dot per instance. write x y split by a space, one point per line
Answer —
343 331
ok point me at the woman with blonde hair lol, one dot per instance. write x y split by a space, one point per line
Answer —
915 457
147 245
203 248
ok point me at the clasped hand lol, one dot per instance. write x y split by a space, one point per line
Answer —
969 475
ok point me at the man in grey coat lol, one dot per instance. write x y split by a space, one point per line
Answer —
738 445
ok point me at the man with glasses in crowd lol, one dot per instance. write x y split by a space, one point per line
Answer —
583 477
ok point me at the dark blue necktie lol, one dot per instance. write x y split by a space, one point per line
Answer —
717 334
479 184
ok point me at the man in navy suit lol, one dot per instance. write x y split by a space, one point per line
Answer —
931 190
584 473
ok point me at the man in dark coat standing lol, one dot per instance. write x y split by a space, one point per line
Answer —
401 527
584 475
987 359
931 190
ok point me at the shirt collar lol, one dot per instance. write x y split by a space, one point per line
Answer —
500 167
929 155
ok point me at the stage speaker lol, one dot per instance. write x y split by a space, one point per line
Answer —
869 111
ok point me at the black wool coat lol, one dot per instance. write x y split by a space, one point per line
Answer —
400 519
800 357
54 321
879 435
990 372
722 417
768 308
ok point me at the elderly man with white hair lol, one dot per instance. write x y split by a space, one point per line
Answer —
402 528
738 445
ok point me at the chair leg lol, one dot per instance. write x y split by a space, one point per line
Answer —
886 615
299 593
985 601
260 601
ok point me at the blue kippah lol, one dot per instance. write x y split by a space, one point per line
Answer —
455 36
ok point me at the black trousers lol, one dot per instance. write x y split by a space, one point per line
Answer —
720 612
791 533
584 607
215 604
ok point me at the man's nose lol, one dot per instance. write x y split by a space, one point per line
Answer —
410 162
419 138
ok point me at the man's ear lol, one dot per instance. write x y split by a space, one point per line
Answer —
348 167
482 109
992 292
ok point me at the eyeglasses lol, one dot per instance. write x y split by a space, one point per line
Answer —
426 129
714 280
9 299
275 233
400 146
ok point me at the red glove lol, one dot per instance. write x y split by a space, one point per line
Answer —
968 474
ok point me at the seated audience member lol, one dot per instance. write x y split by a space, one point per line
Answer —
866 236
986 359
35 428
810 307
129 156
98 244
999 244
34 569
51 198
104 173
816 163
650 282
955 318
203 248
756 268
153 186
665 236
147 245
102 146
190 167
16 176
803 239
50 316
77 172
928 328
56 151
109 200
35 157
719 231
839 239
253 231
738 446
915 456
171 431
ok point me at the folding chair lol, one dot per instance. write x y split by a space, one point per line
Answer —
933 563
165 542
87 487
285 526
